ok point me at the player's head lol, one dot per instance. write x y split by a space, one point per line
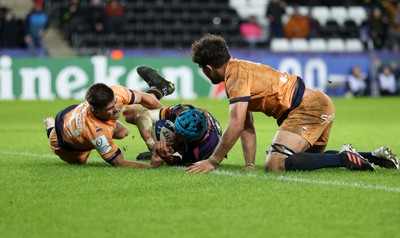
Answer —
192 124
102 101
210 51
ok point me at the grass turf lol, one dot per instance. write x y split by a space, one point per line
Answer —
40 196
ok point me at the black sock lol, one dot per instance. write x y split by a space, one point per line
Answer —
331 152
370 157
48 130
313 161
158 93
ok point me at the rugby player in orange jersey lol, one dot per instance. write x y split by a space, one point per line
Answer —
94 124
304 115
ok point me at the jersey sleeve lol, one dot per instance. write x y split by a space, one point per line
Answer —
166 112
124 95
106 147
238 88
172 112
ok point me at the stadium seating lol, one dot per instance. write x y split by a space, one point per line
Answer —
337 21
335 45
339 14
158 24
353 45
299 45
280 45
331 29
321 13
176 23
350 29
357 14
317 45
246 8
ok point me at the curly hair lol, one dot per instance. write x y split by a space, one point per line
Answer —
210 50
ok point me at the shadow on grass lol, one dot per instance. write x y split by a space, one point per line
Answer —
62 164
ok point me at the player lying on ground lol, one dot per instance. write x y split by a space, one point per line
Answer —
191 136
94 124
304 115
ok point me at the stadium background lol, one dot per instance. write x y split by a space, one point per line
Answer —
43 197
159 33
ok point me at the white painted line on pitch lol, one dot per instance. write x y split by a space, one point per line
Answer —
6 152
309 181
250 175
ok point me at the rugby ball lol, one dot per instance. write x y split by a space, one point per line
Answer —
164 130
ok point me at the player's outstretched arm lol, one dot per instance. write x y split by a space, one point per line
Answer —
237 117
121 162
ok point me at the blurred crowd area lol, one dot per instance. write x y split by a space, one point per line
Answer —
275 25
387 77
176 23
23 33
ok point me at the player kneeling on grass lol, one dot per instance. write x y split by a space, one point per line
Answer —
94 124
304 115
177 135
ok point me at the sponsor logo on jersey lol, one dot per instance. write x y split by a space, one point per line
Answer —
101 144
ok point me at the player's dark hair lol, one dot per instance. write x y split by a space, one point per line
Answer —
210 50
99 95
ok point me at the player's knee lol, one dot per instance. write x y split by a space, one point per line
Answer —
121 133
131 113
127 113
276 157
124 133
274 163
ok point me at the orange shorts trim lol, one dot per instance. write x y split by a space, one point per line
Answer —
312 119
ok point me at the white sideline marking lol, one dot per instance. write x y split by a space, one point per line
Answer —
6 152
250 175
310 181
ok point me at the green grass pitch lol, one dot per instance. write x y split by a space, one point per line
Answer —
41 196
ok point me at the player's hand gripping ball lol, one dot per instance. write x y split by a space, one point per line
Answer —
164 130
